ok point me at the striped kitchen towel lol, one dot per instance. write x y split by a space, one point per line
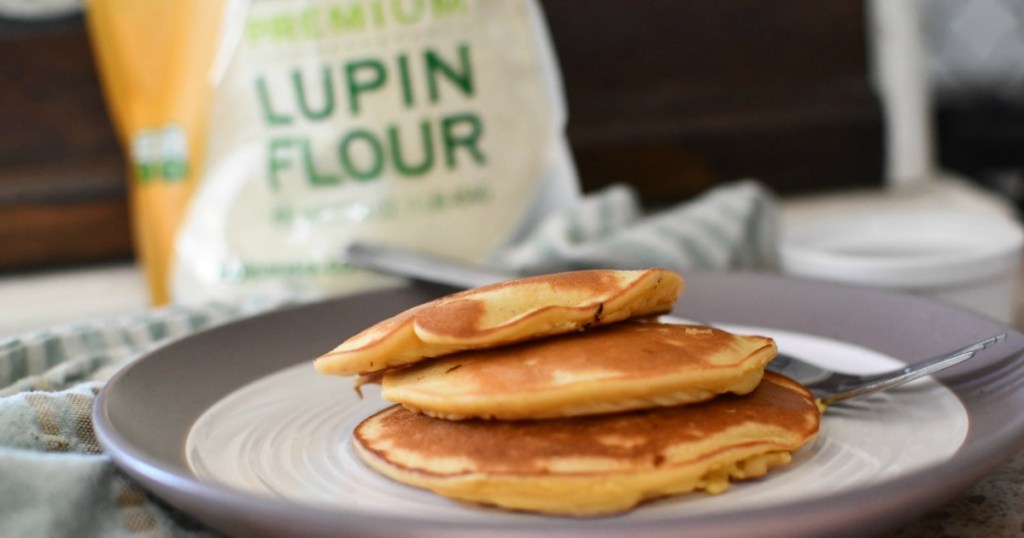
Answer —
734 226
54 479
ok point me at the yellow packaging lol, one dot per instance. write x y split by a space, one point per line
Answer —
155 59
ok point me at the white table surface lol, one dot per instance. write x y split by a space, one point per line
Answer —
43 299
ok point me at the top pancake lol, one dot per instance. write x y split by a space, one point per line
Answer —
625 366
598 464
504 313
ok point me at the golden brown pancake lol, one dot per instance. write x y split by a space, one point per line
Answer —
505 313
626 366
593 465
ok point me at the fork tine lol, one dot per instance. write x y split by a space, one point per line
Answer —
875 382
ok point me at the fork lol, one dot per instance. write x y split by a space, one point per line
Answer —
828 386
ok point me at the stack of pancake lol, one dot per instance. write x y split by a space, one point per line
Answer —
564 394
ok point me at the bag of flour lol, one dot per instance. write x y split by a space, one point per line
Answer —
436 125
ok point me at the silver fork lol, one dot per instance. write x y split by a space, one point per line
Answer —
827 385
831 387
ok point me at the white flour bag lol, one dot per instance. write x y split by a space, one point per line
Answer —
436 125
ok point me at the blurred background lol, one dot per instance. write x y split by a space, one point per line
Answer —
672 97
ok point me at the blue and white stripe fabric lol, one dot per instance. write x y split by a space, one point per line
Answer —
732 227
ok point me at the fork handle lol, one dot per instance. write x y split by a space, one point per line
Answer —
874 382
418 265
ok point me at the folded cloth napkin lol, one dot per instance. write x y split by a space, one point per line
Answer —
54 479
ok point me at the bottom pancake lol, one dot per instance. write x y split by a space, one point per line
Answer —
593 465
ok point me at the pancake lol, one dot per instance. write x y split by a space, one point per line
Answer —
594 465
505 313
626 366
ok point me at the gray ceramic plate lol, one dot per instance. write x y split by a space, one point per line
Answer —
144 415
